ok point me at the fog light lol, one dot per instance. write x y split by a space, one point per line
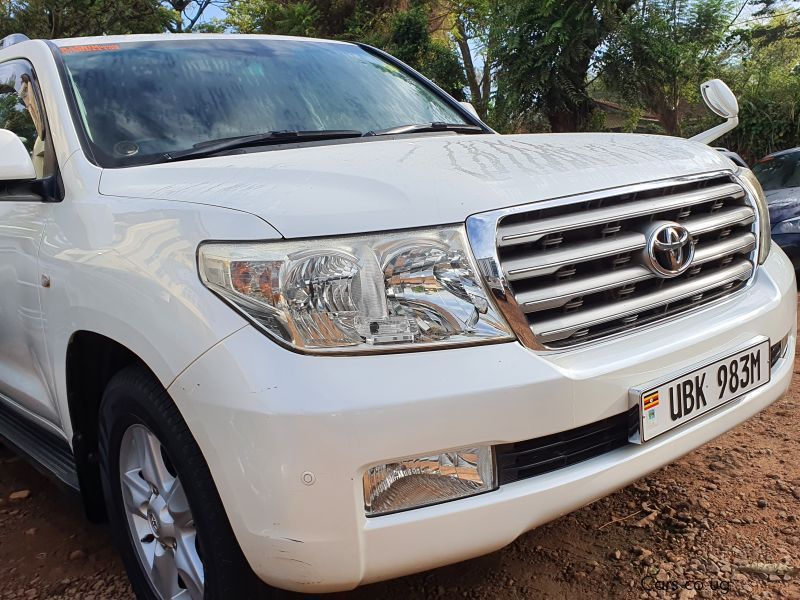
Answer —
424 480
778 351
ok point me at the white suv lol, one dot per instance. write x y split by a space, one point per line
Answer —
283 311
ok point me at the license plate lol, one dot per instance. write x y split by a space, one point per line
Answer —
693 394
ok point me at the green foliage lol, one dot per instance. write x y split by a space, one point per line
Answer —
527 65
409 39
544 53
408 35
661 53
268 16
762 31
14 117
404 33
210 26
632 120
71 18
767 80
597 121
186 15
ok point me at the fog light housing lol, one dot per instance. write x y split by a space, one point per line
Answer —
419 481
778 351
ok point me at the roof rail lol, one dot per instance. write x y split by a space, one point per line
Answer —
14 38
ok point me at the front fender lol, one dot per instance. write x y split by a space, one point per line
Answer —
126 269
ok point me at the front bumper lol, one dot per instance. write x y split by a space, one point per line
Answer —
267 419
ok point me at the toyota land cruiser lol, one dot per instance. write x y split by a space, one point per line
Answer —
283 311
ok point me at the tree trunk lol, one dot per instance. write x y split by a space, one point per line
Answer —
486 88
670 121
469 66
569 120
564 110
486 78
668 112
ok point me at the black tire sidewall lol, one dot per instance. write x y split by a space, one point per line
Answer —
110 468
134 397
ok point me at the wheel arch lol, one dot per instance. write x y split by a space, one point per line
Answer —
92 359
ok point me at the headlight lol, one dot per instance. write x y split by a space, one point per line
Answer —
788 226
424 480
372 293
750 182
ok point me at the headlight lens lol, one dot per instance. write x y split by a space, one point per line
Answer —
788 226
750 181
424 480
404 290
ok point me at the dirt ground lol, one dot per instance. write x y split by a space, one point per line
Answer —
723 522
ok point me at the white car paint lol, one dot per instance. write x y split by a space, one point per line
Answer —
333 424
403 183
23 353
120 255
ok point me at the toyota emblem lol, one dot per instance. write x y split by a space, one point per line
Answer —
670 249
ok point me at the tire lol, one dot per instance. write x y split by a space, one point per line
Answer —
137 422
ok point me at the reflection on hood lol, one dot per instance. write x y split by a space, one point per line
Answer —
783 204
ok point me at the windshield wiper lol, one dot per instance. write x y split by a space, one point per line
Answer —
424 127
212 147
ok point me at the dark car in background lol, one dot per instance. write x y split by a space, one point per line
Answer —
779 174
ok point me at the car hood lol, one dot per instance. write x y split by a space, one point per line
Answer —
783 204
411 181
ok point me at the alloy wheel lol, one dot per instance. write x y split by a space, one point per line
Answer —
159 518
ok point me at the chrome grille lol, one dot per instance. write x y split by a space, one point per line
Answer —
574 269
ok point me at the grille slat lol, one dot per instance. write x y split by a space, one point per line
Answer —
561 293
596 280
561 327
549 262
721 219
521 233
741 244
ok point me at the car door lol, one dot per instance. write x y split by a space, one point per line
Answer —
24 377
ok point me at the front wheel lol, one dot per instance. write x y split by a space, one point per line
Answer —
165 512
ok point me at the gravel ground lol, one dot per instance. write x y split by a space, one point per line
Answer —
724 521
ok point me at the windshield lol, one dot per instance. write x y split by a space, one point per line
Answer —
139 100
779 172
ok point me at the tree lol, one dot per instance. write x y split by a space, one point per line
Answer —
408 38
270 16
767 26
72 18
766 77
407 33
661 53
187 14
544 54
474 36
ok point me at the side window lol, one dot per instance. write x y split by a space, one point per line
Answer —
21 112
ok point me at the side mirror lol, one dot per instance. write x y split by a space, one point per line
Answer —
720 99
15 161
470 108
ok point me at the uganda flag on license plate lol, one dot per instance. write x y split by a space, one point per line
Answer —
650 400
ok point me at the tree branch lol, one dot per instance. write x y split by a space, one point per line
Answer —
202 6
